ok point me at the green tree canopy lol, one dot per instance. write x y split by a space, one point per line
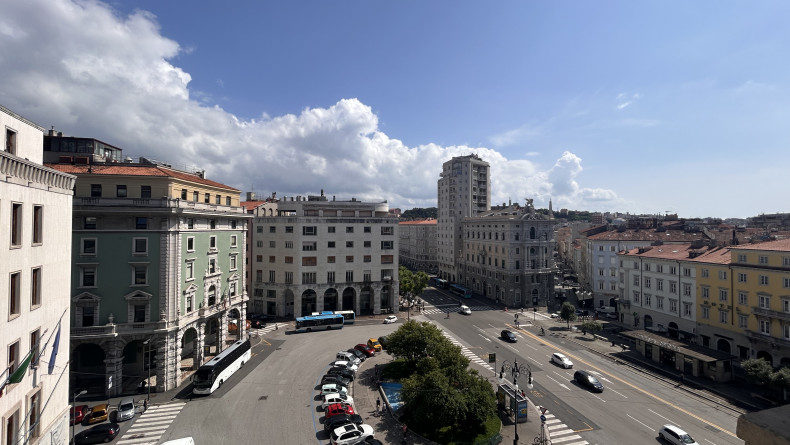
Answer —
591 326
568 313
758 370
412 283
415 340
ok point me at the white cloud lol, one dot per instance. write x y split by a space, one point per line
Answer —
625 100
101 75
515 136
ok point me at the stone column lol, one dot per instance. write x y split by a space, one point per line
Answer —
222 332
179 350
242 320
113 368
376 297
200 342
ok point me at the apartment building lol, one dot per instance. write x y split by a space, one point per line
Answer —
417 245
35 210
508 256
317 254
464 190
157 270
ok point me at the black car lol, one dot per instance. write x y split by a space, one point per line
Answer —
373 441
508 336
587 380
341 419
336 379
97 434
344 372
257 321
358 354
383 342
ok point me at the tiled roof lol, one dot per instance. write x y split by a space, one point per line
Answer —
135 170
780 245
647 235
683 252
251 205
430 222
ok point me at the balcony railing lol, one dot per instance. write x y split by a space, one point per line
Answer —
162 203
756 310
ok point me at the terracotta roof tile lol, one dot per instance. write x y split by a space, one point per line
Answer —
780 245
135 170
673 236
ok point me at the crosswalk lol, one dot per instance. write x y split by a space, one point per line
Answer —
560 433
452 308
467 353
150 426
268 328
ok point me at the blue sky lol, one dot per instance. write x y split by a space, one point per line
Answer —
641 107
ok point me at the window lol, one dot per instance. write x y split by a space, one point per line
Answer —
366 229
207 198
659 284
218 199
330 259
233 262
189 303
686 290
785 305
686 272
88 247
289 229
212 242
289 278
764 302
88 276
786 261
190 223
387 259
190 270
763 259
140 274
673 287
191 244
120 191
14 290
233 241
227 200
765 327
184 194
259 229
233 223
258 276
687 309
349 276
705 291
271 293
272 275
660 268
786 331
636 280
35 338
786 283
35 287
743 321
13 357
723 294
763 280
212 224
195 196
212 266
139 246
330 244
139 313
741 258
705 273
141 223
271 259
309 261
89 223
349 258
387 230
38 215
647 266
16 224
722 274
386 245
366 258
309 230
706 312
741 277
10 147
289 260
647 281
659 302
308 246
350 229
308 277
743 298
349 244
367 244
95 190
673 305
636 297
648 297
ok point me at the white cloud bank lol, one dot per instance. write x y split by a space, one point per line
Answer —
98 74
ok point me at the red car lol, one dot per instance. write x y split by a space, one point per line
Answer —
365 349
78 414
339 408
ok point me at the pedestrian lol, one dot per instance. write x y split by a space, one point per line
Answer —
378 405
145 405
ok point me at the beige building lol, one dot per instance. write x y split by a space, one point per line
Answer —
317 254
464 190
417 245
35 210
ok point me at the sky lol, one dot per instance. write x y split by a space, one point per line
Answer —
648 107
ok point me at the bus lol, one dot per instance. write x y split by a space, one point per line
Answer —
209 377
460 291
319 322
438 283
348 316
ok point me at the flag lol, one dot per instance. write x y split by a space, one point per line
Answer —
54 355
17 375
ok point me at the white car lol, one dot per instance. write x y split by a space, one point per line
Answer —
350 434
328 399
333 388
554 315
348 357
675 436
562 360
390 319
466 310
345 364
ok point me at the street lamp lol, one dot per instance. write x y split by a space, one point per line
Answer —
515 369
74 410
148 358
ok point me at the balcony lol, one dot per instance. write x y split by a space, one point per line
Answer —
774 341
93 332
769 313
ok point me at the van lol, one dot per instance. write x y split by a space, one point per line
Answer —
182 441
606 310
675 436
348 357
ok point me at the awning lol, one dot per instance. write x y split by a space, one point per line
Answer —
693 351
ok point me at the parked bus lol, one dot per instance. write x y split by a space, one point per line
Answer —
216 371
319 322
460 291
348 316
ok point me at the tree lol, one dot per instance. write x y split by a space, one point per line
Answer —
568 313
411 284
415 340
591 326
781 380
758 370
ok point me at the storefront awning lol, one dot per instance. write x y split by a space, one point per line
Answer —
693 351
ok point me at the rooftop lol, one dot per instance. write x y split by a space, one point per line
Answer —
136 170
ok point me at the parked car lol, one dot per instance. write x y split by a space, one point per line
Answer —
383 342
335 378
373 441
348 357
98 414
584 378
390 319
345 364
465 310
358 354
97 434
125 409
332 388
338 408
332 423
365 349
343 372
374 343
335 398
562 360
78 414
508 336
350 434
675 436
554 315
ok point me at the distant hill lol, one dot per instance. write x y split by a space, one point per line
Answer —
418 213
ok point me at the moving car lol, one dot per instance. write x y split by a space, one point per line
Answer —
125 409
98 414
562 360
390 319
338 408
332 423
78 413
97 434
335 398
584 378
373 343
675 436
508 336
350 434
332 388
365 349
465 310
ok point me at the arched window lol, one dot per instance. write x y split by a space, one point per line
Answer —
531 233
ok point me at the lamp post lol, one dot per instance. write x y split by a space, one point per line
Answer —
73 410
148 357
515 369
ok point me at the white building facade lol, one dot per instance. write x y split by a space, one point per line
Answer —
417 245
35 210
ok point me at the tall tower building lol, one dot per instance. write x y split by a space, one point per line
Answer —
464 189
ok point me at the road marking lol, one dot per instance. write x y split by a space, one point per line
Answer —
150 426
618 393
637 421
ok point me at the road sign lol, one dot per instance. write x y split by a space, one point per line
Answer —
543 418
543 410
492 357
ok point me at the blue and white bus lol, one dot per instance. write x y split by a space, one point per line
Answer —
323 322
460 291
348 316
216 371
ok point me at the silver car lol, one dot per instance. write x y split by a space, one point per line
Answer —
125 409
